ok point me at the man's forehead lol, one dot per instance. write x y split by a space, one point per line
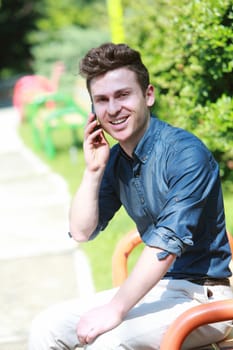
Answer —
117 79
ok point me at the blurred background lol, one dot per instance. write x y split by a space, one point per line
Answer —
187 47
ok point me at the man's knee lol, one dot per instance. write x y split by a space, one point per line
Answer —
108 341
54 328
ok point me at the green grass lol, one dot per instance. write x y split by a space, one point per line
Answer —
228 202
100 250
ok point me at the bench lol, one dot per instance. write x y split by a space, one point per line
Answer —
189 320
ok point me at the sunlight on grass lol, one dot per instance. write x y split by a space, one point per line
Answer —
228 202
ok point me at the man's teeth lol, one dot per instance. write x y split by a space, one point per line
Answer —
119 121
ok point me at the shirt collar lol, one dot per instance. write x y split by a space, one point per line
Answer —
146 144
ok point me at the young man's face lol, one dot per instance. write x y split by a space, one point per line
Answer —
121 107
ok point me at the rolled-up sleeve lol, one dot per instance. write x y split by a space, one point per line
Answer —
190 176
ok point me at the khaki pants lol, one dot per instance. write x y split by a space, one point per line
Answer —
144 326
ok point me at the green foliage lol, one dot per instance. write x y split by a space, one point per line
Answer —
189 51
66 30
68 45
59 14
17 17
20 19
228 202
215 128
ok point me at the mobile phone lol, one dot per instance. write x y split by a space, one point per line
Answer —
98 138
93 111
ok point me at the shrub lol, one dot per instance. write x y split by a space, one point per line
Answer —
68 45
189 51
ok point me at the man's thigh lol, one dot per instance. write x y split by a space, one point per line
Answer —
143 327
146 324
58 324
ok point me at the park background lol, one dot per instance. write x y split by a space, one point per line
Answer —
188 48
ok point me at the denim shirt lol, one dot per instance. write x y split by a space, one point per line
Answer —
171 189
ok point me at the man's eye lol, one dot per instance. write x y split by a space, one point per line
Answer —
123 94
101 100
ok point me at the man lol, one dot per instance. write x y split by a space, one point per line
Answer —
169 184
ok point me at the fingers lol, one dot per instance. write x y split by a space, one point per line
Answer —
93 128
91 336
88 338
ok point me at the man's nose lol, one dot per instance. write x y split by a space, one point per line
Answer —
113 107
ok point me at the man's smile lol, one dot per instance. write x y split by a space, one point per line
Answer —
118 121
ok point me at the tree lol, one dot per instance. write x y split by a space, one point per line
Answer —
73 25
17 18
188 49
22 20
68 45
56 15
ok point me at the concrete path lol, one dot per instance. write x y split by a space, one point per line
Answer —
39 264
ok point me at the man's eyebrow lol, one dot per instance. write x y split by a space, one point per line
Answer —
127 88
123 89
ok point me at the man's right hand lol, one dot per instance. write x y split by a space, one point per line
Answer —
96 147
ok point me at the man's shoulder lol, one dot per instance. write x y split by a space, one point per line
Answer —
174 135
173 140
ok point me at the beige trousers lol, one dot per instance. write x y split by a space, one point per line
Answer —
144 326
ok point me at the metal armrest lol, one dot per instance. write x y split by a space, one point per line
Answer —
120 257
191 319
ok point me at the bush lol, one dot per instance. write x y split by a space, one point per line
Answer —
189 49
68 45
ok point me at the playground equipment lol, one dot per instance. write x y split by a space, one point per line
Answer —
28 87
52 112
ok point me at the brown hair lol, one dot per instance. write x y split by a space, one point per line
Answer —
111 56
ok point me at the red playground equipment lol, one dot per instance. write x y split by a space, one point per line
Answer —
28 87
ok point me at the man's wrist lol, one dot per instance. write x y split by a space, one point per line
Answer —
118 305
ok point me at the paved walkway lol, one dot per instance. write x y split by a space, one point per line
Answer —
39 264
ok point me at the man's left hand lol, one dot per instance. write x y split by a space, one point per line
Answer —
97 321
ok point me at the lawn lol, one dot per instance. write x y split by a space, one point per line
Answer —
70 164
228 201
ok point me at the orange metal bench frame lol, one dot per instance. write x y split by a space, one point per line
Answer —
189 320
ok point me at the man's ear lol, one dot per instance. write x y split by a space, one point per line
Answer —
150 95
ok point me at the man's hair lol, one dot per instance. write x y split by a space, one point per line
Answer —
111 56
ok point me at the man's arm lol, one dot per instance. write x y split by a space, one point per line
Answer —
146 274
84 211
84 207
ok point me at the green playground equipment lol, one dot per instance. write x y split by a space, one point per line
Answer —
50 112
